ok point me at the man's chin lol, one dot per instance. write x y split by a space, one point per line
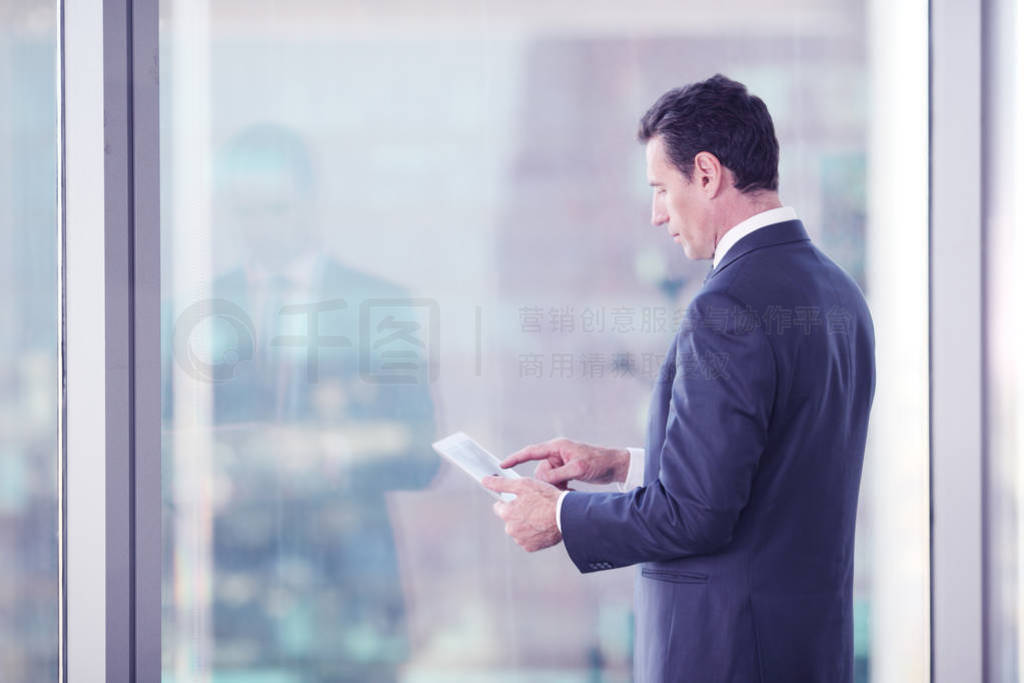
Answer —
693 256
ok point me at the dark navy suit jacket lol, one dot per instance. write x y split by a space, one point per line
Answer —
744 527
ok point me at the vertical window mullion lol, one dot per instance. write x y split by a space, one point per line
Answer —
956 341
111 237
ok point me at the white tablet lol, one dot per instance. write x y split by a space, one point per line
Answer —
471 458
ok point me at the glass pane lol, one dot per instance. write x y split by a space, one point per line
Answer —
28 344
459 185
1004 375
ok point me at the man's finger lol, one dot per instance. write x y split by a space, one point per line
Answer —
558 475
560 485
537 451
503 485
543 471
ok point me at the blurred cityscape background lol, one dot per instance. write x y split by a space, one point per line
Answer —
481 157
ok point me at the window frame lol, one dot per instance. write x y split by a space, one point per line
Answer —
110 287
955 339
109 242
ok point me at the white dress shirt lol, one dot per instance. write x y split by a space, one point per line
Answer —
744 228
635 475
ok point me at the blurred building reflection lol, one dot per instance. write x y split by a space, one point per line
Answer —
482 156
29 579
308 432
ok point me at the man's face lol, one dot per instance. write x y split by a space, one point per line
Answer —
273 216
679 204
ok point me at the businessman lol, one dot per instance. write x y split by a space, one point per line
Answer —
741 509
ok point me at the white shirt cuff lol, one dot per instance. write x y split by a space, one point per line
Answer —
635 473
558 510
634 478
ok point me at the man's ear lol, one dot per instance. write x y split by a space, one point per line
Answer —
708 173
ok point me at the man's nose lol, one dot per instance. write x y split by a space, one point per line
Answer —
658 213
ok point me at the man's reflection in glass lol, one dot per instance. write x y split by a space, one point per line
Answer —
306 576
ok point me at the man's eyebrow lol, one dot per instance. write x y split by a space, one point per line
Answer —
654 183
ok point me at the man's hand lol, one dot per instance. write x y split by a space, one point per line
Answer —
563 460
530 518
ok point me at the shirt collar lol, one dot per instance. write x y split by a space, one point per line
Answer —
744 228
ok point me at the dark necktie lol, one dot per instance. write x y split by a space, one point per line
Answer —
281 369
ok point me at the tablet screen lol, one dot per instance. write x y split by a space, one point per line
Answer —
471 458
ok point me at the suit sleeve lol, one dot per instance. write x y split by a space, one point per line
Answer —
716 427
